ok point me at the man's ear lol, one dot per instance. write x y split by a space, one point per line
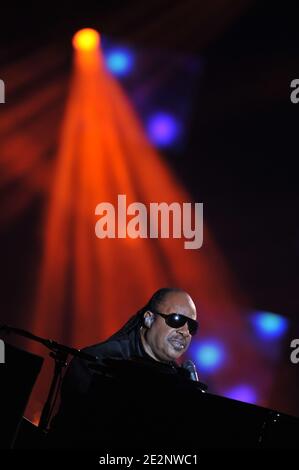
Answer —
148 319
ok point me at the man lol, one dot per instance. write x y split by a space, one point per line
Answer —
159 334
162 340
146 335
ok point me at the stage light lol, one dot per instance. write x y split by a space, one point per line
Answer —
119 61
242 392
163 129
269 325
209 355
86 39
98 157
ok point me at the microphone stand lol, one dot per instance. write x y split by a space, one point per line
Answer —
59 352
60 362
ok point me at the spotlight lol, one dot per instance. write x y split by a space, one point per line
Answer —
208 355
242 392
119 61
86 39
269 325
163 129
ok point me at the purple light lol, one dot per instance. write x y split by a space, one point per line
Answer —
163 129
242 392
209 355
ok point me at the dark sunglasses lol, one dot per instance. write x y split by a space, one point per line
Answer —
177 320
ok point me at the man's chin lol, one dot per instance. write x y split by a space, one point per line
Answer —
174 353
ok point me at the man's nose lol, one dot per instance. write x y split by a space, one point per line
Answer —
184 330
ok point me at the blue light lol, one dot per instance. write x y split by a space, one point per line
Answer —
209 355
242 392
163 129
119 61
270 325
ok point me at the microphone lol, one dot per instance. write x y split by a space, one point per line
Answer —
190 367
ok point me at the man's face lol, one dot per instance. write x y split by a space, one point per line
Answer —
166 343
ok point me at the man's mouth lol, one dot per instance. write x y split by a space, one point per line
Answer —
177 343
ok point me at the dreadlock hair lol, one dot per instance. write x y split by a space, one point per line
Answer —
136 321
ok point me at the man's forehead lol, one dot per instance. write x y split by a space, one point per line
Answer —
179 302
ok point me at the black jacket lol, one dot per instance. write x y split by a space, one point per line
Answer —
75 392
